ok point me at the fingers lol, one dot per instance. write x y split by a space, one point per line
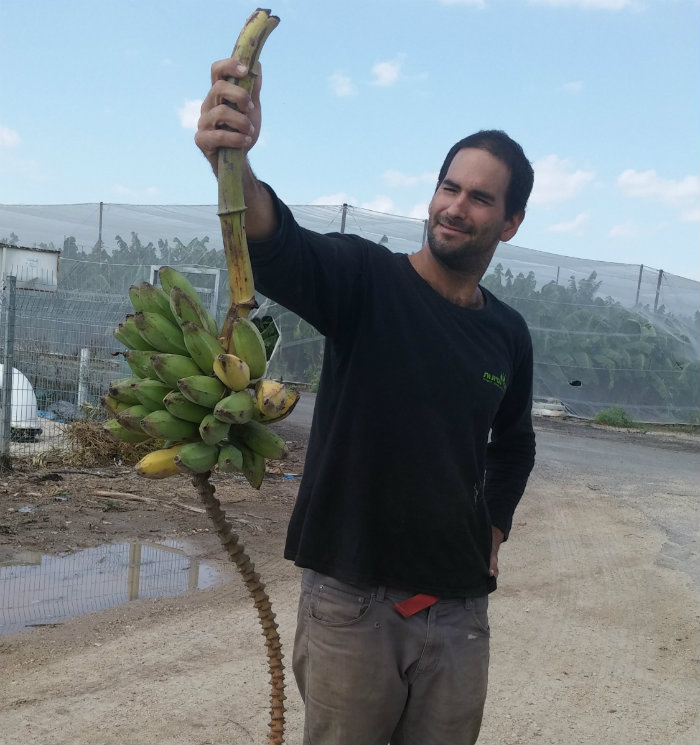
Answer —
229 117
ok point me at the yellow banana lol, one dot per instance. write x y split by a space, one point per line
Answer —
232 371
159 464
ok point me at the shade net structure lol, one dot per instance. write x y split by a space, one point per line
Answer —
605 334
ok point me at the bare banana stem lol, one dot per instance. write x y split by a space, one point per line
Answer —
236 551
231 200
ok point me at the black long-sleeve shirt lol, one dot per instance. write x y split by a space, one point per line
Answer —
401 484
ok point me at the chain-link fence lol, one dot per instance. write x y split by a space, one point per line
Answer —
605 334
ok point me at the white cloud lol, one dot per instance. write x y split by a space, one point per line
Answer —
573 227
682 194
625 231
419 211
386 73
573 88
189 113
8 137
399 179
556 180
585 4
342 85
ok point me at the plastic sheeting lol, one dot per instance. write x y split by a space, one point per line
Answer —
605 334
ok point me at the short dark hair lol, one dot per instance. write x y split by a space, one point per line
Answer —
504 148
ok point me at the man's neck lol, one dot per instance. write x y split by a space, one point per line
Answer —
460 289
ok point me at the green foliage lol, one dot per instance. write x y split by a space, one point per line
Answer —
616 353
615 417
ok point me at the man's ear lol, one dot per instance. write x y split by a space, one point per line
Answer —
511 226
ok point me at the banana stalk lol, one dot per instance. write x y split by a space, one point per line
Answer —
231 201
242 300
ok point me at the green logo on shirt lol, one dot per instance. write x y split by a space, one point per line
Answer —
498 380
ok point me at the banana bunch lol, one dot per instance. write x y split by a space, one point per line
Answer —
206 397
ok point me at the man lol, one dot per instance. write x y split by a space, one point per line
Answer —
405 500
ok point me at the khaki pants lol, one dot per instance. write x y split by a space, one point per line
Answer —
368 676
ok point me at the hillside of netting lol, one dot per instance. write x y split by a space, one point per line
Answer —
605 334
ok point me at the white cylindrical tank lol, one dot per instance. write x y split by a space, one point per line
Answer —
24 419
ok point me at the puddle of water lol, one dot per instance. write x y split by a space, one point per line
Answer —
39 589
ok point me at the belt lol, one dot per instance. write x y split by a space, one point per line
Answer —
415 604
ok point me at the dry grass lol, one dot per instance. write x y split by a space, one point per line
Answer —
91 445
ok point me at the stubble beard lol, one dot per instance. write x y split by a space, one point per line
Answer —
470 257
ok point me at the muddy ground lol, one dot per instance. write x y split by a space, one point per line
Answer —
595 639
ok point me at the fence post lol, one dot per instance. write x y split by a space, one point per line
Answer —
343 217
658 289
9 309
83 376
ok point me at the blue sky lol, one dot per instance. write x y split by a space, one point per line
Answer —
361 100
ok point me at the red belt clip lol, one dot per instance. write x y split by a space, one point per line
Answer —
415 604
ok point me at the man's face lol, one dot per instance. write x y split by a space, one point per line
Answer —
466 216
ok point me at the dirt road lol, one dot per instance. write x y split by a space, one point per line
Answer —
595 626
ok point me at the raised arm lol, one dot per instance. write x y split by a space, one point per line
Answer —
231 118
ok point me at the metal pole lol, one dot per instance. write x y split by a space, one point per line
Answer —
342 219
658 289
83 376
99 236
639 283
7 368
425 232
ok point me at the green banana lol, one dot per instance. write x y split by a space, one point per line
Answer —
213 430
236 408
121 433
230 458
197 457
139 360
171 367
150 393
163 335
112 405
131 418
171 278
261 439
122 390
129 335
164 425
205 390
202 346
184 308
180 406
248 344
148 297
232 371
253 466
